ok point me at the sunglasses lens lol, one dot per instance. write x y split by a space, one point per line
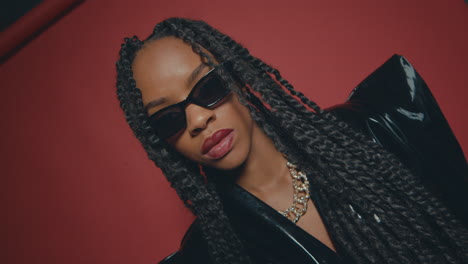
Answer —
209 91
169 122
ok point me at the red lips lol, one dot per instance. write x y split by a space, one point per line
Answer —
214 139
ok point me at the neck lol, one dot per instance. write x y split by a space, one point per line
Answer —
265 167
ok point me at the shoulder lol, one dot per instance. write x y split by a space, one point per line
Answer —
390 106
395 82
396 109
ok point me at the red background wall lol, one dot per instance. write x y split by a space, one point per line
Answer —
76 187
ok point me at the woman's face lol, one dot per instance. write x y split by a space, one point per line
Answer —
165 71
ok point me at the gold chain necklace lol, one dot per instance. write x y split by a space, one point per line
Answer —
301 194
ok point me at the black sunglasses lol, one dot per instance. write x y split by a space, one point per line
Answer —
208 92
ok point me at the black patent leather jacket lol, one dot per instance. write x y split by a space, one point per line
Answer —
395 108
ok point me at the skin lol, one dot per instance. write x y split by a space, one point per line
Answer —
163 68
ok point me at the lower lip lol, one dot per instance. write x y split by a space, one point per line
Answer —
222 148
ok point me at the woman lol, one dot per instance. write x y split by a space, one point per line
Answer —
237 142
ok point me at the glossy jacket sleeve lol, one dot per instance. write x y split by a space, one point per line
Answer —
395 107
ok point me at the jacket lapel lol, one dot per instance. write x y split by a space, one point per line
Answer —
269 236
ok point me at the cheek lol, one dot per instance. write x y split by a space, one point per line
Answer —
243 114
234 114
185 145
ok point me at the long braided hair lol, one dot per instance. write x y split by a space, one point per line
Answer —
375 210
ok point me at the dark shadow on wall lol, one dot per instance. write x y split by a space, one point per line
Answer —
11 10
31 24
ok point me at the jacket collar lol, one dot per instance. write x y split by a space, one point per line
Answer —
280 239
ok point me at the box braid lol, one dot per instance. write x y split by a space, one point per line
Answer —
183 175
375 210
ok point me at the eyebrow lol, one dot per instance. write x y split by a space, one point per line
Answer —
195 73
191 78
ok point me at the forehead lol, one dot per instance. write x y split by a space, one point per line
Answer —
166 56
163 66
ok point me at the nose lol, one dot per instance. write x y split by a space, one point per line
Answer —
198 118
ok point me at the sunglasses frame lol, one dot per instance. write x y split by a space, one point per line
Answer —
190 100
